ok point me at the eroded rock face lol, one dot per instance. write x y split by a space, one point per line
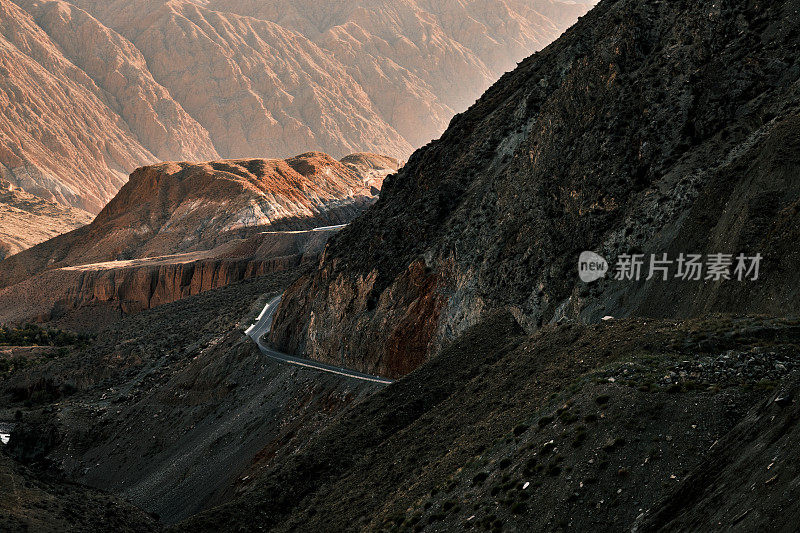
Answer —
106 291
181 207
93 89
80 110
420 62
27 220
646 128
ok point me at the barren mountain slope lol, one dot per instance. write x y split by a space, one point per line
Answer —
646 128
179 207
87 100
31 501
420 61
630 425
173 408
27 220
256 87
78 108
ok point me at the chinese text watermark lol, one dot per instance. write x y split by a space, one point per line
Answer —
685 267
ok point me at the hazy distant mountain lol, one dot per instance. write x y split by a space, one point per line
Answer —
26 220
91 90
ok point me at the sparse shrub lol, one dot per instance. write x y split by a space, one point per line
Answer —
568 417
545 420
479 478
553 470
530 465
674 388
603 399
580 438
435 517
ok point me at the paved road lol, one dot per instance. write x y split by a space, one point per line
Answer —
326 228
262 325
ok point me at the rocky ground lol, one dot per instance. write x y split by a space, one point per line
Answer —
30 501
629 424
173 409
555 432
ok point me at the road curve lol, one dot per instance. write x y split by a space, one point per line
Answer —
328 228
262 326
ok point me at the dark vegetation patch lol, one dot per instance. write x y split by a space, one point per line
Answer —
35 335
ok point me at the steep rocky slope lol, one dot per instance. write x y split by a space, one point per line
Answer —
173 408
633 425
78 108
646 128
30 501
92 90
179 207
27 220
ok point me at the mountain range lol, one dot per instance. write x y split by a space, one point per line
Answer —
91 90
515 393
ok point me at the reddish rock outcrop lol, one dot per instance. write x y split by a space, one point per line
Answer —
405 318
109 290
180 207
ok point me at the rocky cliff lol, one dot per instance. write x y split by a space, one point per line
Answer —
182 207
107 291
92 90
27 220
646 128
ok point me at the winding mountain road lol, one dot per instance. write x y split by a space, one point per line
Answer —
262 326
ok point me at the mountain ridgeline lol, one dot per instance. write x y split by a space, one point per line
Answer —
648 127
178 229
92 89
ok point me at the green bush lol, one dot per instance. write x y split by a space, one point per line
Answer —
33 335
